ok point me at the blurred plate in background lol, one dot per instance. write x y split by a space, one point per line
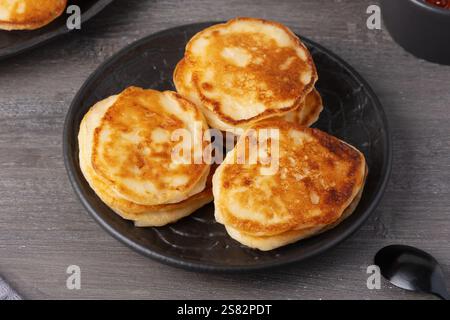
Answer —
15 42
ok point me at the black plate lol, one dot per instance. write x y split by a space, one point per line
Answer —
15 42
352 113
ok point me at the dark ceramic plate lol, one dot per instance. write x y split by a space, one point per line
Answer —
352 113
15 42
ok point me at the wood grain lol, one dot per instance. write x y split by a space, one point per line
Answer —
44 228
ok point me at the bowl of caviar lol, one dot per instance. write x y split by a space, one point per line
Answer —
421 27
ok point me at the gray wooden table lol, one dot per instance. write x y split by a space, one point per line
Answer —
44 228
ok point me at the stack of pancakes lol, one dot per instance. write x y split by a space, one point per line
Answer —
244 71
125 154
29 14
318 184
239 77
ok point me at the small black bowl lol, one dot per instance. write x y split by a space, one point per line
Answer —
419 27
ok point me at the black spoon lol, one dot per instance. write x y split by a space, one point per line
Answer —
412 269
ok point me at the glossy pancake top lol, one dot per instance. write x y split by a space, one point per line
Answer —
246 70
318 178
29 14
133 145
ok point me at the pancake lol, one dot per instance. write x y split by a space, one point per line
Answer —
244 71
29 14
132 147
142 215
273 242
318 178
308 113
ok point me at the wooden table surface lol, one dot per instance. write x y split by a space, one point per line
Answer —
44 228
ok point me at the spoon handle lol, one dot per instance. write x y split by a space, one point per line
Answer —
443 294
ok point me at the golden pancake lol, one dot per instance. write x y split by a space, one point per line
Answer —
318 177
133 147
308 113
244 71
142 215
272 242
29 14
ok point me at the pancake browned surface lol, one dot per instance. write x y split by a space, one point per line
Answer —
244 71
132 147
266 243
319 177
308 113
134 138
29 14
